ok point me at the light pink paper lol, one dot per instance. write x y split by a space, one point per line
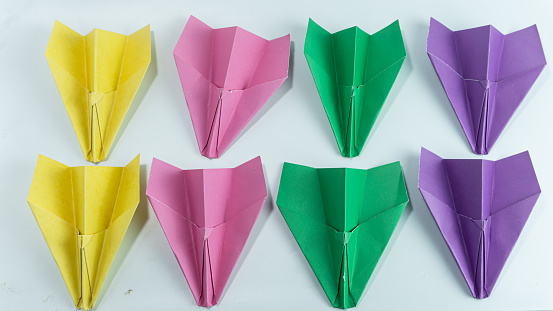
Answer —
207 216
227 75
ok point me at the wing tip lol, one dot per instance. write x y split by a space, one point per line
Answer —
435 28
255 162
255 166
310 36
193 25
531 171
425 160
58 30
43 160
134 163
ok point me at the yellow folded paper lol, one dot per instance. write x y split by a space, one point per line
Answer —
83 213
97 76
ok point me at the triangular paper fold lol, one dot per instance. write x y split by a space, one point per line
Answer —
97 76
342 219
480 207
227 75
207 216
485 75
83 213
354 73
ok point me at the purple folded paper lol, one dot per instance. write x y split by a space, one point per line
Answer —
480 207
486 75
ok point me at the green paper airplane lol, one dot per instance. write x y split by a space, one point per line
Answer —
342 219
354 72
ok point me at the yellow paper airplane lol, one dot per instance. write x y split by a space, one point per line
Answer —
83 213
98 76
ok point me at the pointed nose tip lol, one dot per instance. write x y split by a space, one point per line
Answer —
350 152
211 149
481 294
212 154
480 149
207 301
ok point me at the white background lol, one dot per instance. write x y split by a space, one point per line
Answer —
417 271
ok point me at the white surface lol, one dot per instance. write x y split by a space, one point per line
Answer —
417 271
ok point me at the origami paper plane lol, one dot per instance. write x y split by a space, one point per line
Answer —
342 219
97 76
354 72
480 207
485 75
83 213
227 75
207 216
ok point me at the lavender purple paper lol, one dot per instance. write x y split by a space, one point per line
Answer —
486 75
480 207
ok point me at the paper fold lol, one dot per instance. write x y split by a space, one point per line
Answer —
342 220
97 76
354 73
207 216
227 75
83 213
480 206
486 75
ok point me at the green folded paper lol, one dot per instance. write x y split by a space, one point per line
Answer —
342 219
354 72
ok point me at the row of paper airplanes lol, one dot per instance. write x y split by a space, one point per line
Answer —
341 218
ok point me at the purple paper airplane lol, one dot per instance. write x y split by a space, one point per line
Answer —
486 75
480 207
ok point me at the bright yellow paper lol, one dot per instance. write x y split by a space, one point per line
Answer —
98 76
83 213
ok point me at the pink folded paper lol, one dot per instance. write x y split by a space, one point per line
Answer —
207 216
227 75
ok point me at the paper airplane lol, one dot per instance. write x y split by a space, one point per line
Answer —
227 75
83 213
486 75
97 76
354 72
207 216
342 219
480 207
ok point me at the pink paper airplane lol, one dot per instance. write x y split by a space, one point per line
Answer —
207 216
227 75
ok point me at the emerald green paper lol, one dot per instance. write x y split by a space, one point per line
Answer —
354 72
342 219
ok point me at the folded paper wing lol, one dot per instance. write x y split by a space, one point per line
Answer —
227 75
83 213
97 76
354 73
207 216
342 220
480 207
486 75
